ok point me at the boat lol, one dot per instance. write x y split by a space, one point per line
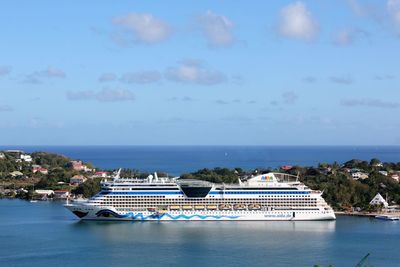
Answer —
254 207
387 217
225 207
239 207
265 197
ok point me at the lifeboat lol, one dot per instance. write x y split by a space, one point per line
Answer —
199 207
174 207
254 207
162 211
187 207
211 207
239 207
225 207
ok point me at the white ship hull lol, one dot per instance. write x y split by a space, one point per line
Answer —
110 214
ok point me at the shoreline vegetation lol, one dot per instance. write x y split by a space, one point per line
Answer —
349 186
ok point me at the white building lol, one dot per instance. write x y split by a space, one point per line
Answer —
384 173
379 200
395 176
61 194
43 192
26 158
359 175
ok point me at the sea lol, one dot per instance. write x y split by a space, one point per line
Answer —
176 160
47 234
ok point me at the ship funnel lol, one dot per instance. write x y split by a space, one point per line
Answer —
156 176
150 177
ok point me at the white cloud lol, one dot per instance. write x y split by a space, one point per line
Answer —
194 72
295 21
309 79
141 28
344 37
4 70
107 77
290 97
377 103
141 77
38 76
367 9
5 108
393 8
347 36
105 95
183 99
345 79
53 72
221 102
217 29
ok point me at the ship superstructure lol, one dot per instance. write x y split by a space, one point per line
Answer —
271 196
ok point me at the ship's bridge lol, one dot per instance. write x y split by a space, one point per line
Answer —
194 188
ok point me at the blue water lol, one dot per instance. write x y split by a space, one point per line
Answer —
179 159
46 234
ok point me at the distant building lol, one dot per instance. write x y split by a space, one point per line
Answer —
326 171
2 155
359 175
61 194
384 173
395 176
40 169
26 158
77 180
286 167
379 200
16 174
14 151
43 192
77 165
377 164
101 174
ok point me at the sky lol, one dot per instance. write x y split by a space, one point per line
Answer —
200 72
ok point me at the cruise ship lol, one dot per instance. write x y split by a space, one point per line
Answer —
265 197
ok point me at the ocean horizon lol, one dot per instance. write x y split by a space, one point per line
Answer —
178 159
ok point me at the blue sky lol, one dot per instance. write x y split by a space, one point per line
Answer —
200 73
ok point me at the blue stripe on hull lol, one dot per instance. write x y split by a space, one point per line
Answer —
140 216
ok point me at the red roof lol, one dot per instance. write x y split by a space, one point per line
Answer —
286 167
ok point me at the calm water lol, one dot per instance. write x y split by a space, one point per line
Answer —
178 159
46 234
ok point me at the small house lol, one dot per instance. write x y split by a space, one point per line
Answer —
77 180
61 194
379 200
